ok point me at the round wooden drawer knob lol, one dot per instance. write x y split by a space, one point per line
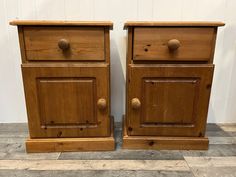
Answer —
135 103
63 44
173 44
102 103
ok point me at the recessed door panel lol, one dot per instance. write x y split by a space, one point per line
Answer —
168 100
67 101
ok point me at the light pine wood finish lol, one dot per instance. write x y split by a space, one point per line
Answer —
66 75
162 142
22 44
195 44
72 144
62 101
172 23
84 43
169 78
173 99
108 24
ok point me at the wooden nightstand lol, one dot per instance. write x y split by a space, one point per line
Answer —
66 75
169 77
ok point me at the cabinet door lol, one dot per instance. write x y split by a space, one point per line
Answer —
67 101
168 100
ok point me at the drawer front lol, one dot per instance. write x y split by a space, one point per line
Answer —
64 43
168 100
173 44
67 102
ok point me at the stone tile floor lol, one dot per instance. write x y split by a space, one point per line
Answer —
218 161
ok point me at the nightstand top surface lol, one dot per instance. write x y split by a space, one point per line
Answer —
172 23
61 23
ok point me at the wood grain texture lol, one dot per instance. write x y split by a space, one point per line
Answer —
68 102
22 43
174 99
85 43
162 142
72 144
160 97
165 143
61 23
107 45
196 44
61 101
169 75
172 23
65 102
128 61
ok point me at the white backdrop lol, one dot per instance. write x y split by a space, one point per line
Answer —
222 107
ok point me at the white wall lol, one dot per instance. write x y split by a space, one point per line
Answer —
223 99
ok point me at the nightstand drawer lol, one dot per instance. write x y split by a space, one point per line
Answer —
64 43
173 43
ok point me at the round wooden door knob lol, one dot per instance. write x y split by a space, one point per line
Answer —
135 103
173 44
102 103
63 44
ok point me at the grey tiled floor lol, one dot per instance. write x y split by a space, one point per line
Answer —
219 160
